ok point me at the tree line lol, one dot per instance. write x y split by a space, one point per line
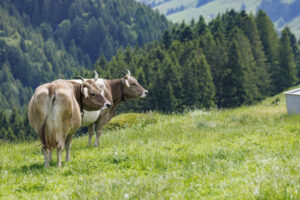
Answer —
236 59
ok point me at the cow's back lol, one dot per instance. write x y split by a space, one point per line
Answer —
54 113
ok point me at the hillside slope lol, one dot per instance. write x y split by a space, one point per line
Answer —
282 12
45 40
245 153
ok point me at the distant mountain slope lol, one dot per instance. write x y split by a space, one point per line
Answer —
282 12
44 40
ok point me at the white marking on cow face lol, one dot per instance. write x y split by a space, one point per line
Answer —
85 92
127 83
100 83
102 89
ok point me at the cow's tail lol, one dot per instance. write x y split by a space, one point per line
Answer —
52 97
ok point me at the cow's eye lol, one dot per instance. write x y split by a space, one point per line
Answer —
133 84
92 94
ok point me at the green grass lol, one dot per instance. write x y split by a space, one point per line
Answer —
245 153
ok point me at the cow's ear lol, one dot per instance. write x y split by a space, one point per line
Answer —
127 82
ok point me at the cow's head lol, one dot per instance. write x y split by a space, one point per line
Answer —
93 96
131 88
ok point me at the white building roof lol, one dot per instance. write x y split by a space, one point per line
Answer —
293 92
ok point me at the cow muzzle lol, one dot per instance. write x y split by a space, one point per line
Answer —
106 105
145 93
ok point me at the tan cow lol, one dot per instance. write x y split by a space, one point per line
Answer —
55 113
115 91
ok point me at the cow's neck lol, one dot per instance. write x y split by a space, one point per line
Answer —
78 96
117 91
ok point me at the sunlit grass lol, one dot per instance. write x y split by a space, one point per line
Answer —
244 153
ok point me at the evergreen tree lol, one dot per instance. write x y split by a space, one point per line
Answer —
251 79
218 68
200 26
167 40
293 40
286 74
234 91
261 72
206 88
269 38
189 86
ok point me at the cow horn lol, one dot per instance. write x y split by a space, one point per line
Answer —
81 78
127 72
96 75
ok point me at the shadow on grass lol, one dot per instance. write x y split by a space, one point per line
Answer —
31 187
34 167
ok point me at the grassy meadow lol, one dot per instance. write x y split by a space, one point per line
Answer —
245 153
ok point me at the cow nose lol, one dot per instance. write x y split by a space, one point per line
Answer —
108 105
144 94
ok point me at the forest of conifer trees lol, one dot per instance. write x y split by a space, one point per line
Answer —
236 59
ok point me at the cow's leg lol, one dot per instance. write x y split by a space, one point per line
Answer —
59 150
98 134
68 147
91 133
58 153
46 155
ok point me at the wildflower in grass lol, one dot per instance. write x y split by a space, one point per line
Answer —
126 196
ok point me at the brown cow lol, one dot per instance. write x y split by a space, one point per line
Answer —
115 91
55 113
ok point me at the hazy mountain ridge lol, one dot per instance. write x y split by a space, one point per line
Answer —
282 12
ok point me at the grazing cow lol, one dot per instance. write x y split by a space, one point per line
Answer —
115 91
55 112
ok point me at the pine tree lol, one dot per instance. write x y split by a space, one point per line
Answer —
293 40
186 34
286 74
217 29
206 88
200 26
218 68
171 84
261 72
269 38
233 80
189 85
167 40
249 65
